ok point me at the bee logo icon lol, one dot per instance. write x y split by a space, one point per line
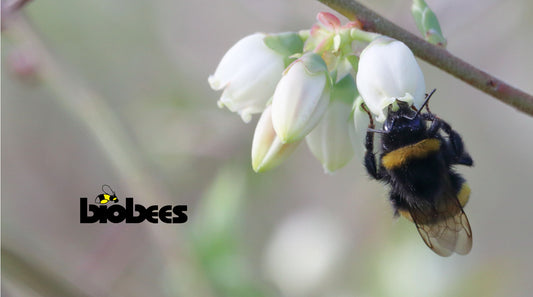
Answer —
106 197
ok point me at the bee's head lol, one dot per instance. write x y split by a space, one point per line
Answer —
404 125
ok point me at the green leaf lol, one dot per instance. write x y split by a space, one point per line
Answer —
286 44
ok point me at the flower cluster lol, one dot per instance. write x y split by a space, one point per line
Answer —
311 85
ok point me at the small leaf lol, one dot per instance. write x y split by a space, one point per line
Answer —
286 44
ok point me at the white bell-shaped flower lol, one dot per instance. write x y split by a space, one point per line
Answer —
267 149
387 72
301 98
331 140
248 73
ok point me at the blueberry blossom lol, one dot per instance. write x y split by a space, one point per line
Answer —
331 141
301 98
305 85
267 149
387 72
248 73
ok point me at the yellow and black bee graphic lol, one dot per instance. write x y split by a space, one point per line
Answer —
106 197
418 151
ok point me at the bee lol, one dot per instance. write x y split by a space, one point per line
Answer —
106 197
418 152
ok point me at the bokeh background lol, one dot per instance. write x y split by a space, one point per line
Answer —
115 92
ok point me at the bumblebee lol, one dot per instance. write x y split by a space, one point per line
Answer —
106 197
418 152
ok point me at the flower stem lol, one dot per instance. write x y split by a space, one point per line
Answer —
435 55
358 34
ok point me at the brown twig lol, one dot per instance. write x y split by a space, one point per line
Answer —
435 55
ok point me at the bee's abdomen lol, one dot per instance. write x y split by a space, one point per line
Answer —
416 171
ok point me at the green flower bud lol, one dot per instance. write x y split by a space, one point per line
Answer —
427 23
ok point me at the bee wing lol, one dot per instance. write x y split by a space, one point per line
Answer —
444 228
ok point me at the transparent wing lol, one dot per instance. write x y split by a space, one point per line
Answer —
444 228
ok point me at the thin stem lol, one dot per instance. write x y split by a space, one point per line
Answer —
358 34
435 55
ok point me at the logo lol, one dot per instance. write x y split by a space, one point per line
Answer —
102 211
106 197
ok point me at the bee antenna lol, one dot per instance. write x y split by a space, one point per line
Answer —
425 102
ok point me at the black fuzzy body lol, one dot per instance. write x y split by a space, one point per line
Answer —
416 159
418 180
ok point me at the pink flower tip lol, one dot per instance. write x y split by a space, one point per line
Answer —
329 20
353 24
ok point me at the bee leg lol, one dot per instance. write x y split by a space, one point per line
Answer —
465 159
455 150
370 158
436 124
460 155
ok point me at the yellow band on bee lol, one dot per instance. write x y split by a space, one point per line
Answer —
463 194
419 150
406 214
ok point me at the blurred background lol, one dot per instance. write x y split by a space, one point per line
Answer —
115 92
